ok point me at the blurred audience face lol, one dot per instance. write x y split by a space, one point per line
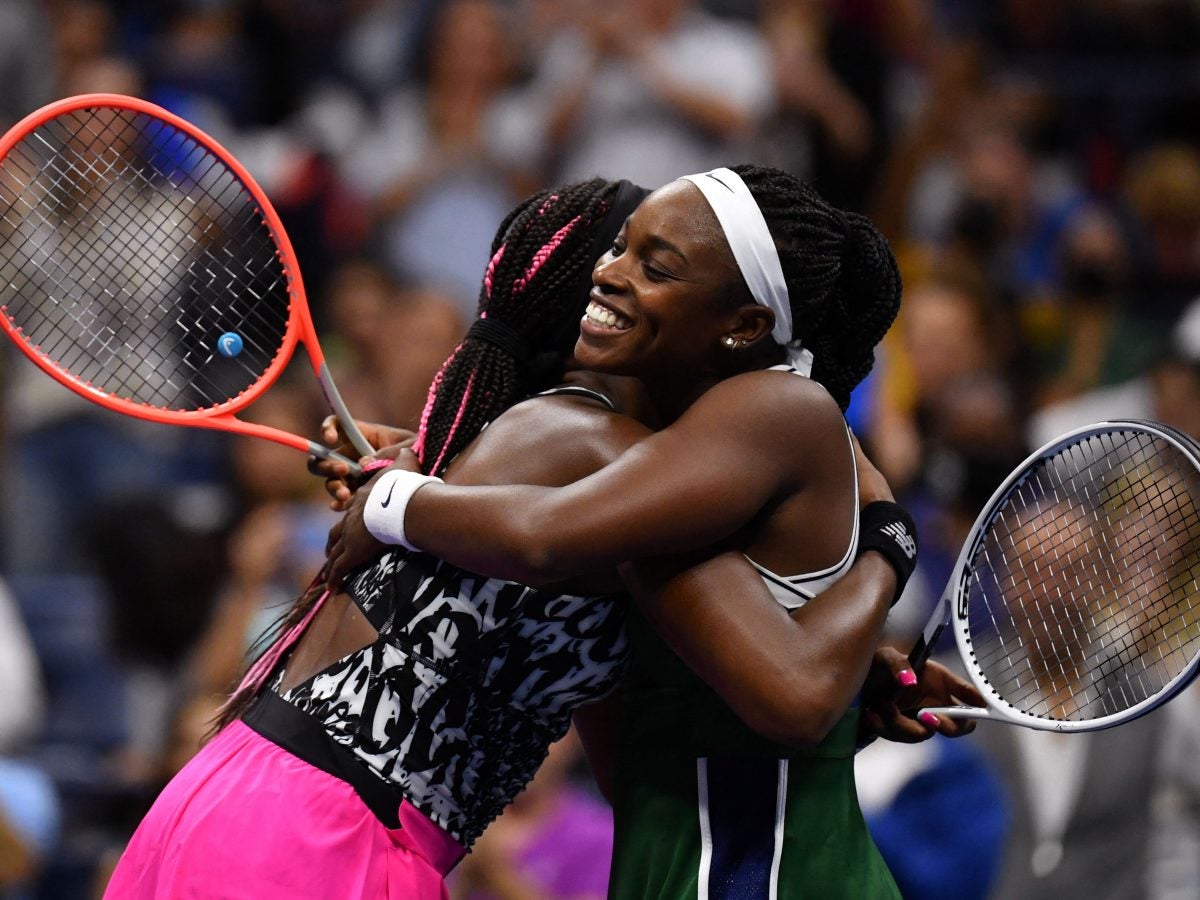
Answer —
997 174
944 335
1163 187
470 46
266 471
1177 395
1095 256
358 296
82 32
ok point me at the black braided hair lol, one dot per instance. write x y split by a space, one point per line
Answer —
841 276
534 292
535 289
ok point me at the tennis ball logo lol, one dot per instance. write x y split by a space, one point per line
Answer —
229 344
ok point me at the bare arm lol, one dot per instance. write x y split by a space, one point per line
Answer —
745 443
789 676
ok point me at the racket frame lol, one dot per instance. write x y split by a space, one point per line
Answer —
951 607
299 330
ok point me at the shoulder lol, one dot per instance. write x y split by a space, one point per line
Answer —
782 398
547 440
774 417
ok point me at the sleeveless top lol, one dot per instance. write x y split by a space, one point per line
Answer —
706 806
793 591
454 705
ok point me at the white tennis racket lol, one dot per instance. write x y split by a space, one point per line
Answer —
1075 603
144 268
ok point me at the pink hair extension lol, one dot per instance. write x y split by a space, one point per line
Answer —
491 268
418 446
258 673
462 407
543 254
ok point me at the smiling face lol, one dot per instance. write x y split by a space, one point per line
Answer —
666 296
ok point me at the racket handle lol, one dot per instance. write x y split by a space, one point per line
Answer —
326 453
938 622
338 405
922 649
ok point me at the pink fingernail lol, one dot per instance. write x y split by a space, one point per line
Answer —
376 464
929 719
907 677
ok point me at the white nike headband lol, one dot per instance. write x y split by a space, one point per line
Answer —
754 252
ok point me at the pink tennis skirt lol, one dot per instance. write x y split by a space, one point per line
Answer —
247 819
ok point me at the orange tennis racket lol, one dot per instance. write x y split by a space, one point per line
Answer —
144 268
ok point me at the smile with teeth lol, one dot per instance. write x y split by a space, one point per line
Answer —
605 317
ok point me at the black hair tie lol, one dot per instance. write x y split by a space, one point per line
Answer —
502 335
625 200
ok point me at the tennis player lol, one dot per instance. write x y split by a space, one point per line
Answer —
386 727
748 308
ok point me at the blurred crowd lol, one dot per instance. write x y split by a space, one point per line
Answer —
1035 163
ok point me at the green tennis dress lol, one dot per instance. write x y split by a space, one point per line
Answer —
706 808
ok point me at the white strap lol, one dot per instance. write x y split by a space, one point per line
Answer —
754 252
383 515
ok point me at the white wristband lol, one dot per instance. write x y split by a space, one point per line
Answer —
383 515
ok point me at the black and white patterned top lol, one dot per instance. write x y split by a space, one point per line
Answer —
469 682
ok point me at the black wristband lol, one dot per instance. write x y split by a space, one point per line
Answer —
887 527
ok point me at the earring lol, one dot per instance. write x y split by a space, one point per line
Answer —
730 342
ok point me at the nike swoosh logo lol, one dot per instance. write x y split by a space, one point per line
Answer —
391 487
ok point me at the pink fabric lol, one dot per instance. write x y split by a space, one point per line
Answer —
247 819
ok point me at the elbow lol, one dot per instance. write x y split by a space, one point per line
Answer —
536 559
535 567
795 719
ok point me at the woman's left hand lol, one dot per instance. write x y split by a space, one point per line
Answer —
350 545
340 484
893 687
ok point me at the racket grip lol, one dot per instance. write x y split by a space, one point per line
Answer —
923 648
338 405
326 453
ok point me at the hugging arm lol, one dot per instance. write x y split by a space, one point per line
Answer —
789 675
688 486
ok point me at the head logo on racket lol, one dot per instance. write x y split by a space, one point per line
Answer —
229 344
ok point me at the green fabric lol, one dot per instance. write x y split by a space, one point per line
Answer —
669 719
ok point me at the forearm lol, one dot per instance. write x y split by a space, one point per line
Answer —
789 676
537 535
685 488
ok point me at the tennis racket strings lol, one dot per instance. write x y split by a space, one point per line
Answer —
1081 592
127 249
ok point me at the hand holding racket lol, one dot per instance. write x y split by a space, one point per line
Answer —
1075 603
142 267
340 482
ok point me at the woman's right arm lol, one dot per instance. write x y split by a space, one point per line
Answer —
744 444
789 675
